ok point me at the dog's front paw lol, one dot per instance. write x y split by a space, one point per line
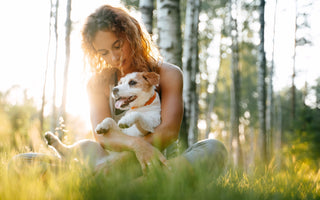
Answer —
50 137
128 120
105 126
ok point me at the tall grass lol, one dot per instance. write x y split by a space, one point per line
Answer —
297 181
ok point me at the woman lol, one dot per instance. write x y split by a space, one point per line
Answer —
115 45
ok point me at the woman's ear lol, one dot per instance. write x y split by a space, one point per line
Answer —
152 78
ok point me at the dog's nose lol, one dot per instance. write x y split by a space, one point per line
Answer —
115 91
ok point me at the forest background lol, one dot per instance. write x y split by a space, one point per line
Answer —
250 71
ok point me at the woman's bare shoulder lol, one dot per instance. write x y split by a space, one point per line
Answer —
168 70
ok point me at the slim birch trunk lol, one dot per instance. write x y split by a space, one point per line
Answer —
43 103
278 135
68 25
262 86
146 8
170 44
270 98
235 86
293 87
168 21
54 114
190 69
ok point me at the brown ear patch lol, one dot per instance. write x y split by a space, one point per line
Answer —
151 77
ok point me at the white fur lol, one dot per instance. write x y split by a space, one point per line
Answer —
141 120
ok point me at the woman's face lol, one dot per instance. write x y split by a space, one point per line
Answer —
115 51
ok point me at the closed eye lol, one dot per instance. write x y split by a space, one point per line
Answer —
132 82
117 45
105 53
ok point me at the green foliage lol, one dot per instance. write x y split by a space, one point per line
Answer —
302 136
131 3
305 139
18 119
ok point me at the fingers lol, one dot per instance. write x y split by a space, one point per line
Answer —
143 168
164 162
155 163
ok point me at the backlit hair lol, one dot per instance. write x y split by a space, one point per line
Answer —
145 55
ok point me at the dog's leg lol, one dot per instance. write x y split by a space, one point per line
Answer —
52 140
106 125
142 122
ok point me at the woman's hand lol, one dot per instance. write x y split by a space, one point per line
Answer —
147 155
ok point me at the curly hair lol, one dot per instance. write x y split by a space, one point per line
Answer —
118 20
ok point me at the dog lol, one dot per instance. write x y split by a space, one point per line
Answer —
134 93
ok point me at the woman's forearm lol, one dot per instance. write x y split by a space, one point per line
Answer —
117 141
162 137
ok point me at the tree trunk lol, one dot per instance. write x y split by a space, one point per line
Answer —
170 44
293 87
190 69
262 86
146 8
235 87
270 98
169 23
68 25
54 114
278 135
46 72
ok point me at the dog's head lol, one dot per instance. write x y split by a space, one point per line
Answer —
135 89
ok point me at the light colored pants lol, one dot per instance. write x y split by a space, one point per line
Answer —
209 155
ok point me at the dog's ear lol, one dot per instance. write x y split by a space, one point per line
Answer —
151 77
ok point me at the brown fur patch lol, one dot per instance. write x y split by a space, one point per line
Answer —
146 80
151 77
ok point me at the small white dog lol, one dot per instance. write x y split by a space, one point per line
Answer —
136 94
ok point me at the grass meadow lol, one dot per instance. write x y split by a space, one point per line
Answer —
295 180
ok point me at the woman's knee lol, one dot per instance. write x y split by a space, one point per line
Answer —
209 154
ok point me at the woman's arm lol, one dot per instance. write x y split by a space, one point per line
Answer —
99 87
171 86
98 91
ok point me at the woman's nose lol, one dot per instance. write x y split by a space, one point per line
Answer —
115 57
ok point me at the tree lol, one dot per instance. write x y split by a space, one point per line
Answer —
146 8
68 25
190 69
317 92
170 44
54 114
168 21
262 86
43 103
270 96
298 41
235 85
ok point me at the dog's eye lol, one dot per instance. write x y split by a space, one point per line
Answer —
132 82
